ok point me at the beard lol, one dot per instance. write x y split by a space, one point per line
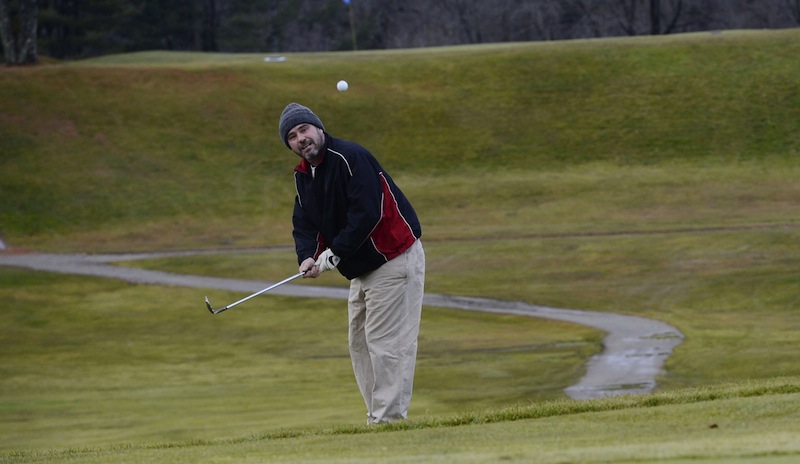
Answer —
310 149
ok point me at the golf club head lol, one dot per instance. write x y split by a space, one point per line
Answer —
208 305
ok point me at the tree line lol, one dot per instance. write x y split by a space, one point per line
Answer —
73 29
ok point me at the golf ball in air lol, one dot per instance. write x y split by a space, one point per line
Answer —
342 86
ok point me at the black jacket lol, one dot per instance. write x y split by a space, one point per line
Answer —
352 206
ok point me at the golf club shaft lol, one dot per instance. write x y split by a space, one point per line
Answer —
266 289
261 291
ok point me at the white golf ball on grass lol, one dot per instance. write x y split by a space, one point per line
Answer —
342 86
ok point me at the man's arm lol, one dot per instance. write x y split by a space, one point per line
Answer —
307 241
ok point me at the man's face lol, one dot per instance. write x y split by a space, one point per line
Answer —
307 140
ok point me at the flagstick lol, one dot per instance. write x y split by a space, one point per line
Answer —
352 23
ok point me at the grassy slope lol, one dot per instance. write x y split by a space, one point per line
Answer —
97 157
658 134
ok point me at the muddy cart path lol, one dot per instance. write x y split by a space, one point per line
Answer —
634 348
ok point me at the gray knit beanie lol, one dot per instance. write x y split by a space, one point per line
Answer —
295 114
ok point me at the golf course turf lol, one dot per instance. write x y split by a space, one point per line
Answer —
655 177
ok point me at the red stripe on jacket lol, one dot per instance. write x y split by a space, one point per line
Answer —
393 235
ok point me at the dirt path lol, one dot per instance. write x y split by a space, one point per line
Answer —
634 353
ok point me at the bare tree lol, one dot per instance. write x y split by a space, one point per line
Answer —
589 18
74 28
794 8
18 20
543 18
208 26
677 10
627 18
660 17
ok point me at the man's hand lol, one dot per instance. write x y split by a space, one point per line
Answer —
310 268
327 261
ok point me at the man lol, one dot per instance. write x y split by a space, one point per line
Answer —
350 215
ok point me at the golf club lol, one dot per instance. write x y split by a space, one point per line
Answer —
217 311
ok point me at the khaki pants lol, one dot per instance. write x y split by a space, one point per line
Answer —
385 307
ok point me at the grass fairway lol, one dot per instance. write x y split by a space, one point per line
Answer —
752 422
655 176
88 362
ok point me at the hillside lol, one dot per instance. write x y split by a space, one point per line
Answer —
122 152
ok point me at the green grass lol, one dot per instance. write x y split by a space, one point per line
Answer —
96 156
651 176
746 422
88 362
